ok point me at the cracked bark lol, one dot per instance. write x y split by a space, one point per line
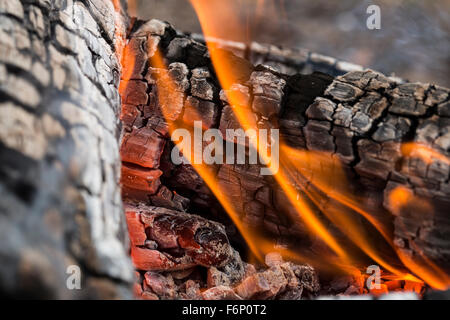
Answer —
361 118
59 158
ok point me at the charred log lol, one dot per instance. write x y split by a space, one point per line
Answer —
59 159
361 118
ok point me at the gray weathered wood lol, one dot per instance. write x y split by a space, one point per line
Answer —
60 201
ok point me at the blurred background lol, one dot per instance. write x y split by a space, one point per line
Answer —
413 42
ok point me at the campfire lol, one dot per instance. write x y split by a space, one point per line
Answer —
339 198
160 164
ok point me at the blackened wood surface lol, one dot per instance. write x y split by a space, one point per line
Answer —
362 117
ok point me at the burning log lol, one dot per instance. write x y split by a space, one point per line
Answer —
389 137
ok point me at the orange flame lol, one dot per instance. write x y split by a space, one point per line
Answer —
423 152
289 177
258 244
325 167
402 198
206 174
310 180
227 75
